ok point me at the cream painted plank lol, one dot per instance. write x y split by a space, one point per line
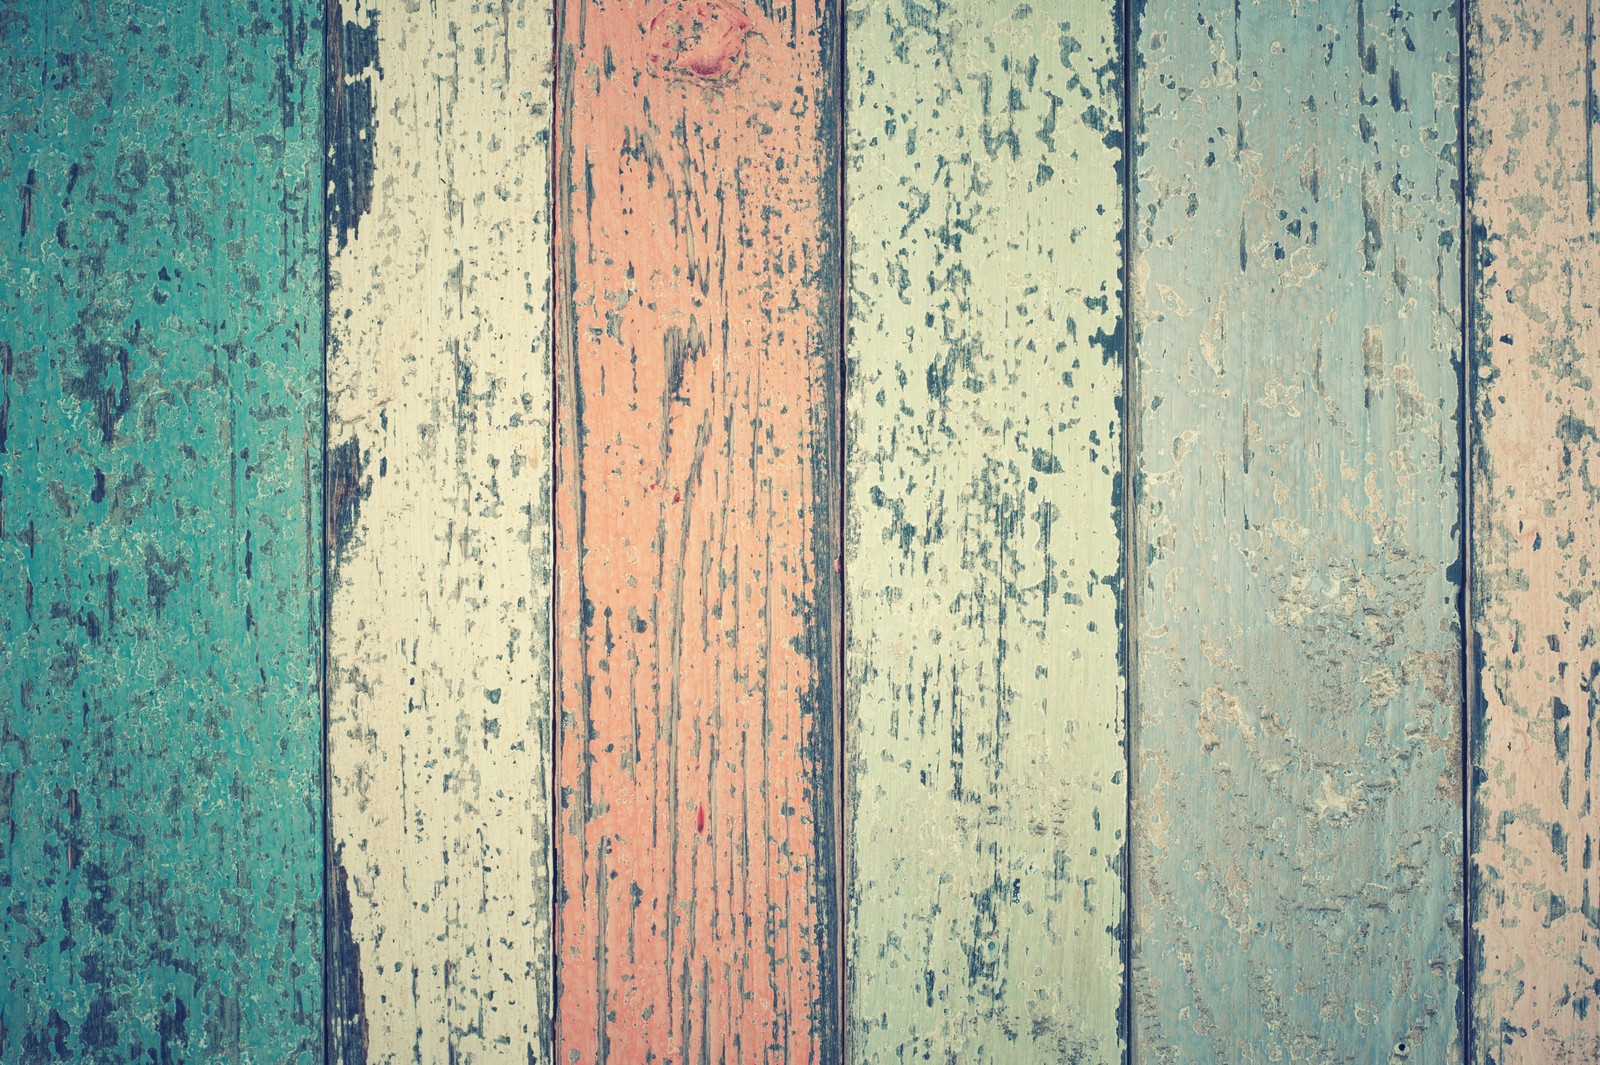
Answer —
438 501
986 781
1536 543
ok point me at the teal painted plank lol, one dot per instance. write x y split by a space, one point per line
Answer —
160 428
987 786
1296 675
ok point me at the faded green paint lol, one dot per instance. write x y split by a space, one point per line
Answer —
160 431
1296 672
986 781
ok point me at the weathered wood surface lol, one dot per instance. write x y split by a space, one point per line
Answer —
1296 676
697 333
160 325
1536 465
439 702
984 708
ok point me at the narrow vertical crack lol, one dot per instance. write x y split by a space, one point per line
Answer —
1464 595
841 819
1127 19
553 644
329 28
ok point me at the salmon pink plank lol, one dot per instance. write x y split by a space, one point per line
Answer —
1536 544
697 362
439 399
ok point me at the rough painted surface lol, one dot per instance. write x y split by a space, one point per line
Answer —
697 362
1536 351
1296 712
987 777
160 841
439 531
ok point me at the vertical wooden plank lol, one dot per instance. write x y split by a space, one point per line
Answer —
1297 794
160 437
439 481
697 362
987 782
1536 287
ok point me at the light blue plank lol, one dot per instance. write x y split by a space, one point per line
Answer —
1296 710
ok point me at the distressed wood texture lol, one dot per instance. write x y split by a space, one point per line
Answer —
1297 697
160 440
696 507
1536 351
439 663
986 771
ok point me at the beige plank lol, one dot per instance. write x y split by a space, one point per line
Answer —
1536 543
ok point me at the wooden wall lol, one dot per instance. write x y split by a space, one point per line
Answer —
621 531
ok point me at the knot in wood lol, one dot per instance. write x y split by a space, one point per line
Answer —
699 40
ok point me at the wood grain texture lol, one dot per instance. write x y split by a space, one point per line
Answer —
1297 700
697 360
160 819
440 393
984 708
1536 352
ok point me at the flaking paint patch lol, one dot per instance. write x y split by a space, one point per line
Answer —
986 783
346 1001
349 87
439 661
345 490
1535 542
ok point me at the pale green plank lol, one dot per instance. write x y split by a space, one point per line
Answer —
160 428
1296 710
986 781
